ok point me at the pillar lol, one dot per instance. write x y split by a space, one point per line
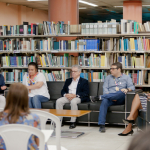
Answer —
132 10
64 10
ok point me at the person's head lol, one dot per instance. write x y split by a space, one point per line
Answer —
116 69
32 68
76 70
16 102
140 141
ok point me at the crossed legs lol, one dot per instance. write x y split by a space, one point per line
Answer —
136 105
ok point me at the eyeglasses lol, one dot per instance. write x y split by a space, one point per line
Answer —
74 71
113 68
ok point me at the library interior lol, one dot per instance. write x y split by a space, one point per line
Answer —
75 74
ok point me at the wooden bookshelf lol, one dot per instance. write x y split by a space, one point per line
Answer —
76 51
70 51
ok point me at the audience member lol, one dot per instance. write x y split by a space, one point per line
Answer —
37 86
17 112
75 91
2 88
115 87
136 106
140 141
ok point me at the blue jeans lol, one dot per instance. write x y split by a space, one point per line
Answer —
35 102
107 100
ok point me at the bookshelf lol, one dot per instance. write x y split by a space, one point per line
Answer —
86 53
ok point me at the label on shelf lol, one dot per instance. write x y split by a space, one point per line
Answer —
87 26
91 26
95 26
16 51
100 26
105 26
114 25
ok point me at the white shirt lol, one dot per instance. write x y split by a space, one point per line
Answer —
73 86
42 90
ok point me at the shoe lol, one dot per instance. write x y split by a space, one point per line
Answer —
102 128
73 125
121 134
128 121
94 99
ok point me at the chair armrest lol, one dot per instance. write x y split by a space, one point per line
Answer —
129 98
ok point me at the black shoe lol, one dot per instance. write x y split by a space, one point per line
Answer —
121 134
94 99
102 128
73 125
128 121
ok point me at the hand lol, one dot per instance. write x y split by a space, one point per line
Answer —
29 91
70 96
3 87
124 91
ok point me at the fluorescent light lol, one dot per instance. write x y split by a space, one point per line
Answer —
118 6
145 5
37 0
84 2
82 8
142 5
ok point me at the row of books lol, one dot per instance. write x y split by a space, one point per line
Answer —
138 77
90 60
46 28
131 61
145 27
50 44
129 27
17 61
17 75
14 76
100 28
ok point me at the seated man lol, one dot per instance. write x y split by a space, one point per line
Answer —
115 87
75 91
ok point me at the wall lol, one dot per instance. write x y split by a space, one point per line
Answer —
16 14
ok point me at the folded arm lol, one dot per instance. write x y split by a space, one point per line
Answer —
35 86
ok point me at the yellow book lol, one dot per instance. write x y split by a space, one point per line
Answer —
6 60
41 61
49 41
102 60
132 44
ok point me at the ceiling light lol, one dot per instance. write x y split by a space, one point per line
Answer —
84 2
142 5
37 0
118 6
82 8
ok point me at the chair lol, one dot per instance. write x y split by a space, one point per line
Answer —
16 136
44 116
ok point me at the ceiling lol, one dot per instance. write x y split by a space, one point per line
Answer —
104 11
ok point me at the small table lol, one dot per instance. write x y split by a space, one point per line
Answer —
68 113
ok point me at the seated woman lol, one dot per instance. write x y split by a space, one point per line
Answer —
136 106
2 88
36 84
17 112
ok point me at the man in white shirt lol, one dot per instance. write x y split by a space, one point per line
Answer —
75 91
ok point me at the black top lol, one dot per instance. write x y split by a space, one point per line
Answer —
82 89
2 83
